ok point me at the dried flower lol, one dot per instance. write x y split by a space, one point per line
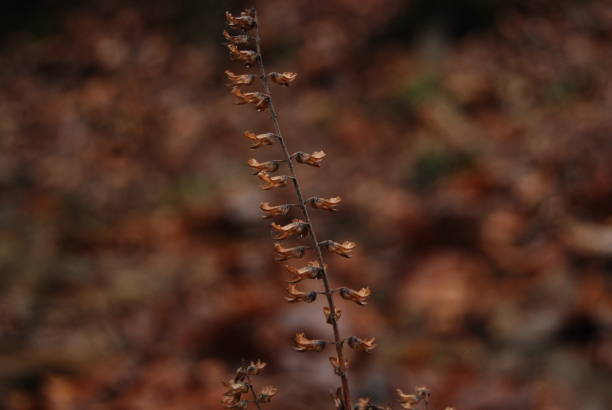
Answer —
312 271
285 78
304 344
260 100
296 227
296 295
272 182
259 139
248 56
241 39
276 210
239 79
269 166
245 21
408 401
361 345
313 159
266 394
364 404
329 204
287 253
233 402
255 367
343 249
235 387
331 318
336 365
360 297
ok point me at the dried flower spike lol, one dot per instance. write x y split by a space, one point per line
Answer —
268 166
239 79
259 139
241 39
296 227
331 318
266 394
272 182
313 159
285 78
284 254
303 344
360 297
361 345
276 210
245 21
329 204
343 249
248 56
312 271
295 295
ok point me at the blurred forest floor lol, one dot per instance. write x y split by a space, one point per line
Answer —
471 142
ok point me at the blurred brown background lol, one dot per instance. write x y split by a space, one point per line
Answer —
471 142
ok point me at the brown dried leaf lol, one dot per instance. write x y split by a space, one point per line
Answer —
361 345
235 387
245 21
255 368
276 210
266 394
360 297
249 57
259 139
296 295
329 204
313 159
239 79
336 365
343 249
296 227
285 78
268 166
287 253
312 271
241 39
303 344
272 182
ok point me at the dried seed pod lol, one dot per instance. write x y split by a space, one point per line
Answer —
303 344
276 210
329 318
360 297
272 182
329 204
312 271
235 387
285 78
260 100
266 394
361 345
296 295
343 249
232 402
239 79
313 159
249 57
255 368
296 227
339 370
284 254
408 401
268 166
259 139
241 39
245 21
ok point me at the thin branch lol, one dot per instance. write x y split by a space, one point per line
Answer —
255 399
315 243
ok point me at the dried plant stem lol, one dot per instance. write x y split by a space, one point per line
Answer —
315 244
255 400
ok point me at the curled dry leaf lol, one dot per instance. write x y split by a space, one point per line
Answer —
249 57
331 318
296 227
295 295
241 39
312 271
313 159
303 344
285 78
360 297
336 365
239 79
259 139
361 345
268 166
343 249
260 100
274 210
255 368
266 394
245 21
329 204
287 253
272 182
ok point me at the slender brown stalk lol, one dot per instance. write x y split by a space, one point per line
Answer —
338 341
255 400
